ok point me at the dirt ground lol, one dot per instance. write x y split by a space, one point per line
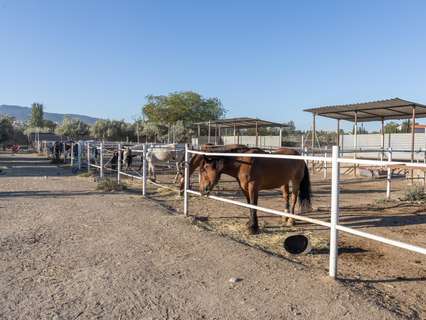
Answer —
394 277
70 252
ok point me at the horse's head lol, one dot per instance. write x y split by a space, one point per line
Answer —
210 171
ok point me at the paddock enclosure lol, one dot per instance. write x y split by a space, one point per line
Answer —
364 210
366 227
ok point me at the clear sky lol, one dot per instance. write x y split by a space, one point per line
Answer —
266 59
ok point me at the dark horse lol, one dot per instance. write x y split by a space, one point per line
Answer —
255 174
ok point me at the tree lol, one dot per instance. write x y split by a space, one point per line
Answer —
36 120
406 126
151 131
6 129
99 129
188 107
391 127
113 130
49 125
73 128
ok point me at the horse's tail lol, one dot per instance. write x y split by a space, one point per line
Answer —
305 192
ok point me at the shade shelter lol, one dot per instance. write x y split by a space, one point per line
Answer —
381 110
236 124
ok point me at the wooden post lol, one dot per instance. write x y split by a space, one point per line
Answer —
314 134
383 140
257 135
219 134
413 136
338 133
235 134
280 144
355 142
209 131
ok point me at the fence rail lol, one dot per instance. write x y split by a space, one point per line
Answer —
335 193
335 161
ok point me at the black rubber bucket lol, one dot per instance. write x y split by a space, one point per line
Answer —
297 244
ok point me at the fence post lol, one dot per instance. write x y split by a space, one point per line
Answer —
88 157
72 154
79 155
186 182
119 163
144 170
101 160
335 173
389 176
65 152
325 163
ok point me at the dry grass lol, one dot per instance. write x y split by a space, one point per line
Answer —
110 185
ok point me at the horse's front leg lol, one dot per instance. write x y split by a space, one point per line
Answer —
154 175
286 195
294 194
177 173
253 195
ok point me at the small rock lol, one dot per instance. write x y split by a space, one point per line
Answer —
235 280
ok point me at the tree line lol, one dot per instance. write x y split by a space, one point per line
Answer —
163 118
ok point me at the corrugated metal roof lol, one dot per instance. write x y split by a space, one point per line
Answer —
242 123
388 109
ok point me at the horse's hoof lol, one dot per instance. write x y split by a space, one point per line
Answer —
253 230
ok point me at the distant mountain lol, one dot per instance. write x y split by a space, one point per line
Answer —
24 114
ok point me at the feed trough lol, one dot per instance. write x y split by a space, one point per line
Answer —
297 244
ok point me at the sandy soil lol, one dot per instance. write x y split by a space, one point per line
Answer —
394 277
70 252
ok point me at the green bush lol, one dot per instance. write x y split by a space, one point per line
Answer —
414 193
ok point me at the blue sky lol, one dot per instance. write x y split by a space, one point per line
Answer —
266 59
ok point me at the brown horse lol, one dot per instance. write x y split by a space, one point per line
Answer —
255 174
196 159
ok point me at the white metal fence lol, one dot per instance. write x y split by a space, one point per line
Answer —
335 192
103 149
335 161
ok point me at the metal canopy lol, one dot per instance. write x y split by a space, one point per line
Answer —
242 123
395 108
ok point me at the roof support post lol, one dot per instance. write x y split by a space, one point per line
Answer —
219 134
355 138
413 136
215 134
382 145
280 144
314 134
257 135
338 133
235 133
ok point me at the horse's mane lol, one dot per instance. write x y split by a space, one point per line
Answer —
230 148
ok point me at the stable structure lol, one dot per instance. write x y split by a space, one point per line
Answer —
381 110
236 124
